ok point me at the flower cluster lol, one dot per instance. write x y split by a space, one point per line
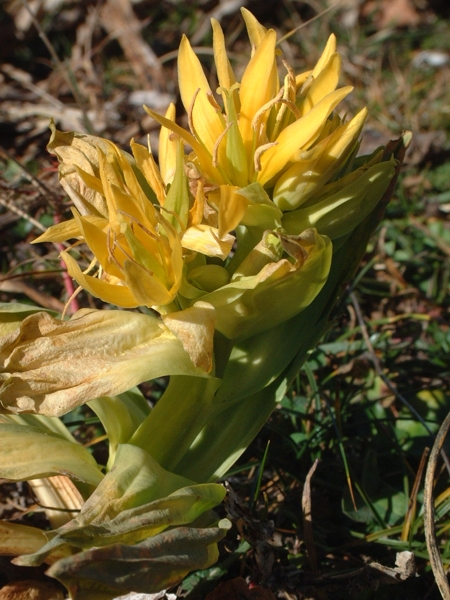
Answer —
245 221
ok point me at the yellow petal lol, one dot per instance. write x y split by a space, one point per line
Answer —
255 30
301 78
258 86
297 135
108 292
205 239
194 327
329 49
97 240
198 208
325 83
232 208
93 182
318 165
146 164
146 288
177 200
204 157
167 148
225 72
62 231
207 123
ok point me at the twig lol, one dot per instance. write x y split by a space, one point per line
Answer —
63 68
43 188
379 371
18 211
428 508
411 511
307 519
308 22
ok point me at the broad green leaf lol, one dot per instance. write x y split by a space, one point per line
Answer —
52 425
135 500
28 453
251 304
120 416
149 566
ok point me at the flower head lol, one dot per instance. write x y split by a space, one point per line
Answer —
244 222
267 128
137 231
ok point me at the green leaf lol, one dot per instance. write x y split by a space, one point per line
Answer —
28 453
120 416
135 500
52 425
149 566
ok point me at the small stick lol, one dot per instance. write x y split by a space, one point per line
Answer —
307 519
428 510
63 68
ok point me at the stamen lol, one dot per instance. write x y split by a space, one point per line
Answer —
292 108
288 101
67 304
290 88
259 151
91 266
190 113
212 100
111 257
131 258
172 213
217 144
138 223
265 107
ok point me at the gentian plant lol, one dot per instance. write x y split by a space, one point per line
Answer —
232 253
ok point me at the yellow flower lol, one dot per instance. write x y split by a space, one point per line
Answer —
136 229
274 165
265 126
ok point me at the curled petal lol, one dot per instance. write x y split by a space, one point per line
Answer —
280 290
194 327
205 239
78 150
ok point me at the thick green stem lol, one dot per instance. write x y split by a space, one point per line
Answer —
178 417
